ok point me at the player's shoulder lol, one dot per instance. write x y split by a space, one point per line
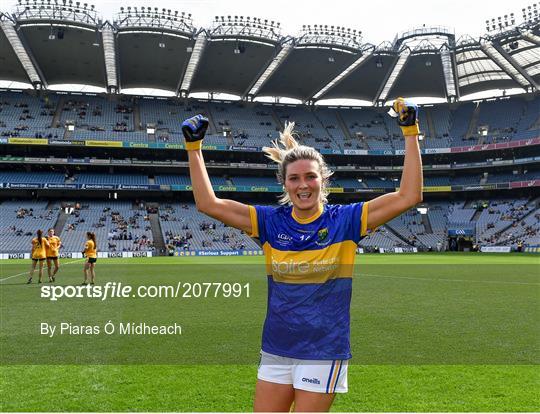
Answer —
337 211
273 211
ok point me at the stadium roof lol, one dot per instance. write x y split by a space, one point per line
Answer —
10 66
48 44
164 63
233 60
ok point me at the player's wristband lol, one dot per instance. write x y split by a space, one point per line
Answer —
193 145
410 130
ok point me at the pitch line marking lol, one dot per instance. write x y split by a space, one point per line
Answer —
452 280
27 272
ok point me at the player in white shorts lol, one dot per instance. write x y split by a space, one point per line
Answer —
309 247
304 374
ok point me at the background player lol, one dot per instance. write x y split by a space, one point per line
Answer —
52 254
90 252
38 254
306 334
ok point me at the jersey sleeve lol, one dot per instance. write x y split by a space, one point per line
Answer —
259 216
355 220
86 246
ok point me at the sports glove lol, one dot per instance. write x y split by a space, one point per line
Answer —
407 116
194 130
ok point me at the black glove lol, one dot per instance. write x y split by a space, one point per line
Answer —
407 116
194 130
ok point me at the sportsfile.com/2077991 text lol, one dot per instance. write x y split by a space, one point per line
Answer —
183 290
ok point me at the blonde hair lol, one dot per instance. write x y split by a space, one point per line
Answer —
287 150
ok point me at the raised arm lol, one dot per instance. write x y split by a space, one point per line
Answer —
384 208
230 212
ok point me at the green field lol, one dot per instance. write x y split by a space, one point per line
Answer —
438 332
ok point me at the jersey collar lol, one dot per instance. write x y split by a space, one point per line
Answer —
309 219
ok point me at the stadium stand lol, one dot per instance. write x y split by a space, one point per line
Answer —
93 178
31 177
119 226
246 125
123 226
239 124
185 228
23 115
19 221
99 118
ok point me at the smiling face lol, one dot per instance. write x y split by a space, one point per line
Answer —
50 232
303 183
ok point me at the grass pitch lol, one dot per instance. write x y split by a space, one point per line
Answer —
437 332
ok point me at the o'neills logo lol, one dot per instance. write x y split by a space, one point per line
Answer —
311 380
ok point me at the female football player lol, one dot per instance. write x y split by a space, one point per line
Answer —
38 254
310 249
90 252
52 254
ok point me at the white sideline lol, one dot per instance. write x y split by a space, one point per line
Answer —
25 273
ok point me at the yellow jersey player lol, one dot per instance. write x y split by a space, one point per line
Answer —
39 254
90 252
52 254
310 251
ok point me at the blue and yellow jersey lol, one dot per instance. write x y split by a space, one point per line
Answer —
309 263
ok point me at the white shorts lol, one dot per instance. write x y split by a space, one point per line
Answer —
310 375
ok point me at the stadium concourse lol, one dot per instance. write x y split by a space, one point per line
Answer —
113 163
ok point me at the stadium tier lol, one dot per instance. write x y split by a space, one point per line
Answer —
119 226
255 125
185 228
338 180
126 226
19 221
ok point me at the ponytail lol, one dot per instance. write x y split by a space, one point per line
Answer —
92 236
39 236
